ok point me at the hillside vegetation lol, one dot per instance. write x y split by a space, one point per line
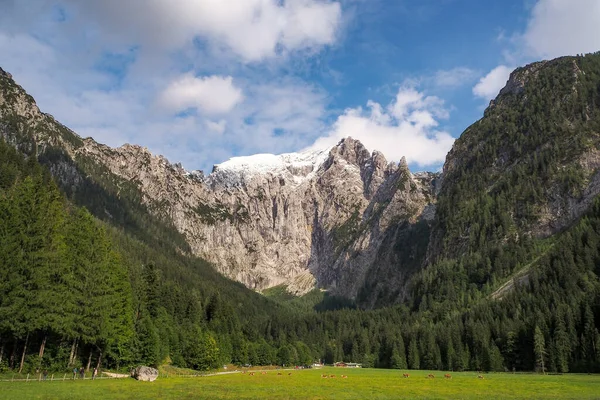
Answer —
89 277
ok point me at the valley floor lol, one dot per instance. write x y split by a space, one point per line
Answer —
310 384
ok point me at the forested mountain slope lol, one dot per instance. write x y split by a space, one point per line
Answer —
74 288
504 275
333 218
526 171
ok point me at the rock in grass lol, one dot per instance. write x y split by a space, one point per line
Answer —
143 373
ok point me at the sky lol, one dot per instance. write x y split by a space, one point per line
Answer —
200 81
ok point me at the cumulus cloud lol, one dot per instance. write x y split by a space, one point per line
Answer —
563 27
210 94
252 29
241 108
489 86
284 114
407 127
554 28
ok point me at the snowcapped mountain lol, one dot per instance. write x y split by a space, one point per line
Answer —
336 219
296 167
323 219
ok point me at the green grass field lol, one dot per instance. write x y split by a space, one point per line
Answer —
308 384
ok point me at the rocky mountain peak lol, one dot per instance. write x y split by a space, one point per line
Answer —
519 78
292 219
353 151
4 73
319 218
290 168
372 167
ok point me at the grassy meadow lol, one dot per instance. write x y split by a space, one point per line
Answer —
309 384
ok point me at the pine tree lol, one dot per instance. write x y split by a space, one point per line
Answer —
451 363
34 274
539 348
147 342
510 349
562 346
202 351
398 358
283 355
496 362
413 355
589 337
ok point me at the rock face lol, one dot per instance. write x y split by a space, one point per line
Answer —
146 374
329 219
301 219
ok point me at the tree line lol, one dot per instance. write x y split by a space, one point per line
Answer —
116 287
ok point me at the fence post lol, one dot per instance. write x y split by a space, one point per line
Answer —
52 377
65 377
27 377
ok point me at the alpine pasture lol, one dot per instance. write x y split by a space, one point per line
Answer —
326 383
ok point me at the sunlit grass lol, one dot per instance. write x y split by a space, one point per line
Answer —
308 384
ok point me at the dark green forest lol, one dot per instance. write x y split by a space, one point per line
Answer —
80 289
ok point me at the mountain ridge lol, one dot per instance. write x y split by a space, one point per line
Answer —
492 266
222 214
317 217
343 219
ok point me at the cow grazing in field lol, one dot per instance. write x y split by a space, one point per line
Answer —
279 373
447 376
324 376
289 373
431 376
344 376
332 376
405 375
251 373
264 373
480 376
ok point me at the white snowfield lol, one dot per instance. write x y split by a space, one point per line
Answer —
295 167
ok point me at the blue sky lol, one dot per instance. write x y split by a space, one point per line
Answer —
200 81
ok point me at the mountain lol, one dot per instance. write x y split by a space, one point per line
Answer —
528 170
492 265
294 219
344 219
323 218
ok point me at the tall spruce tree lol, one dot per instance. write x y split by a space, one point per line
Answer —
539 348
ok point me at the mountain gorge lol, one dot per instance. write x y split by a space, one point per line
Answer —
454 270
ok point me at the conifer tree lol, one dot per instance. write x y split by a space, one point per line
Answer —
413 355
539 348
562 346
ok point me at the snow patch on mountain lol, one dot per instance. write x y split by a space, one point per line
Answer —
295 168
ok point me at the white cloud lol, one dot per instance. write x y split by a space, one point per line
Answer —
252 29
211 94
406 127
563 27
554 28
284 114
454 77
262 108
489 86
217 127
